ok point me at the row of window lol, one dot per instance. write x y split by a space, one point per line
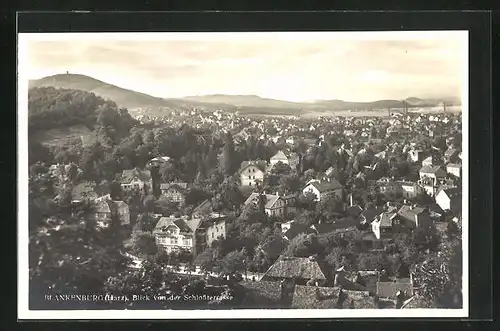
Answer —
174 241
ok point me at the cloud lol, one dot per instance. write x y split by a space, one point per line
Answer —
293 69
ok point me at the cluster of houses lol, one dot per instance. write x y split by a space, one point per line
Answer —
305 283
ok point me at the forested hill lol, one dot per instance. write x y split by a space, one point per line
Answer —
123 97
50 108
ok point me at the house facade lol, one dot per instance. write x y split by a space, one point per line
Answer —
321 188
454 169
274 205
105 209
411 217
174 234
416 155
136 179
280 156
449 199
215 229
175 192
251 173
410 189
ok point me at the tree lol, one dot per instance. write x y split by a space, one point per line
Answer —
142 244
329 206
70 253
290 183
228 158
206 259
195 196
233 261
299 246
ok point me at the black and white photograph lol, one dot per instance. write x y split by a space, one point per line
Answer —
203 175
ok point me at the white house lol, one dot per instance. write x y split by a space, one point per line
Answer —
176 234
279 157
136 179
454 169
252 172
321 188
449 199
410 189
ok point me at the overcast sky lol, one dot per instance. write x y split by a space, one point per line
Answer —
295 69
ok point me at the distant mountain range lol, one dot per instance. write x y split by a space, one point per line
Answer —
251 104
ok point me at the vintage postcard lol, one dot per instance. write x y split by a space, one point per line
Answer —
243 175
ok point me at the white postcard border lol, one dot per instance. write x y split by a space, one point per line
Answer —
22 139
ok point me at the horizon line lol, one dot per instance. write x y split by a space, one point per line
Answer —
245 95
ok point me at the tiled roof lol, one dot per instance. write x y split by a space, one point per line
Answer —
167 221
312 297
83 191
259 293
371 213
450 151
385 220
279 156
270 199
354 211
274 247
430 169
179 186
321 228
325 186
408 214
453 165
291 267
451 192
296 229
128 175
261 165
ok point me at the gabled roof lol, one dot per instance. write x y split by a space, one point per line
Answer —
179 186
83 190
326 186
128 175
321 228
450 151
296 229
274 247
160 159
430 169
451 192
291 267
270 199
205 204
260 293
354 211
371 213
312 297
386 220
280 155
261 165
409 213
178 222
453 165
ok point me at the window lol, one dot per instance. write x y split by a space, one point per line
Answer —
186 242
173 241
212 235
249 177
